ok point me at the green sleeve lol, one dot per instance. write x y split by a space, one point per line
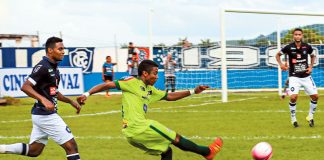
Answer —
158 94
117 84
126 84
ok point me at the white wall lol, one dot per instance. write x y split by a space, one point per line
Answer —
100 57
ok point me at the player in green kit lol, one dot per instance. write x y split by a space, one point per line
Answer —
149 135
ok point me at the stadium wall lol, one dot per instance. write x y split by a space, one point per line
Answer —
246 64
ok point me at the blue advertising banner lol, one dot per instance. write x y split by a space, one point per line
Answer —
12 79
29 57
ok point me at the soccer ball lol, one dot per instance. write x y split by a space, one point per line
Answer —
262 151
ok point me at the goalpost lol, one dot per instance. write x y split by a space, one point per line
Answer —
256 54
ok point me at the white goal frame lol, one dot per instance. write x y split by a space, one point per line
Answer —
223 41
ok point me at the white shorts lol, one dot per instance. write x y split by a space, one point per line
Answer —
51 126
307 83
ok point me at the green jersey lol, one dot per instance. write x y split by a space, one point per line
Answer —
136 97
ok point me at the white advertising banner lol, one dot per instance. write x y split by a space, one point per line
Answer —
11 80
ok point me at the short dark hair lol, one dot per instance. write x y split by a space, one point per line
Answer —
50 43
107 57
297 29
146 65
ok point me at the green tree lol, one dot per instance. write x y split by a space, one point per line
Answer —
160 45
242 42
310 36
124 45
205 43
180 41
262 42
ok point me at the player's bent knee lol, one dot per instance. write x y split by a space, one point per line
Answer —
35 153
177 139
70 146
314 97
293 98
35 149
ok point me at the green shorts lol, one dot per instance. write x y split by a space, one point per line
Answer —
155 140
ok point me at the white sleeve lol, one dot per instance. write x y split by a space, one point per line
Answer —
31 80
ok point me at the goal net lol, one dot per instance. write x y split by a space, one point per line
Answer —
194 67
252 39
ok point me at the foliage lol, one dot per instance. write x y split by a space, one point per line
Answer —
310 36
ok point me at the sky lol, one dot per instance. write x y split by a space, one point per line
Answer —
105 23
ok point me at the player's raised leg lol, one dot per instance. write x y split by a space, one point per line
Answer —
30 150
38 140
209 152
167 155
62 135
157 138
71 149
17 148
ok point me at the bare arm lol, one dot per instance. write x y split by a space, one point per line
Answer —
312 60
62 98
29 90
102 87
310 67
282 66
173 96
98 88
74 104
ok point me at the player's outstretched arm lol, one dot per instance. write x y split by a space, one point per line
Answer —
98 88
74 104
173 96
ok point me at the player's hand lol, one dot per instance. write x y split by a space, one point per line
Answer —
309 70
81 99
283 67
76 106
200 89
48 104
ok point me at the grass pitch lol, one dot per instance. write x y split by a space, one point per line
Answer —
248 118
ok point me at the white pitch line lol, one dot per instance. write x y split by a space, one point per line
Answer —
117 111
173 111
196 137
208 103
92 114
16 121
70 116
227 111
